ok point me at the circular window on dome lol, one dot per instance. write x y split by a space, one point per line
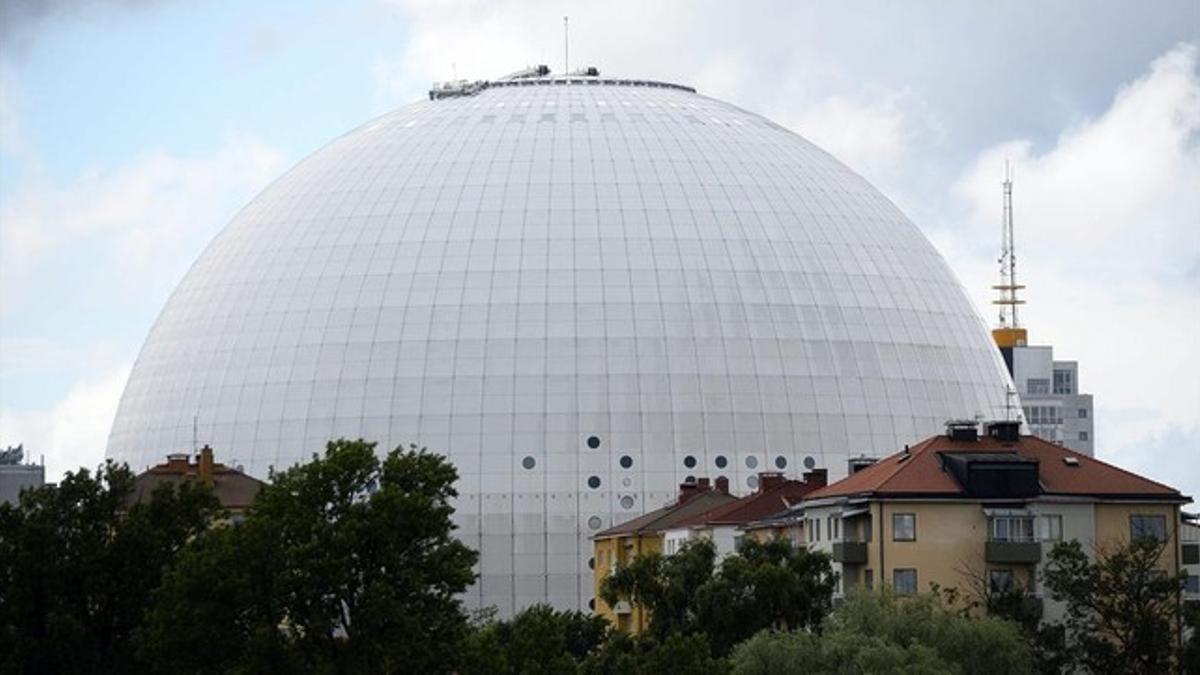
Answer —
626 462
591 563
529 462
721 461
594 523
752 482
627 502
592 604
689 462
593 442
593 482
781 462
751 462
690 479
809 462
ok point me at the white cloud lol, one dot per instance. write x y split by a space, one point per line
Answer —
72 433
1108 239
116 238
870 126
145 220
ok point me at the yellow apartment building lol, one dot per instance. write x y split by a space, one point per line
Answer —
621 544
980 512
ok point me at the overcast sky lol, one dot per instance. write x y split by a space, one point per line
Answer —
132 130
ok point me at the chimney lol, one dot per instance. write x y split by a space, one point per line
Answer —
687 490
723 484
1006 431
817 477
962 430
206 466
178 462
859 463
769 479
703 485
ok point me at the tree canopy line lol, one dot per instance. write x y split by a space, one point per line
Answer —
348 564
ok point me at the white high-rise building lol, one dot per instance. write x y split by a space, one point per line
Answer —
1051 401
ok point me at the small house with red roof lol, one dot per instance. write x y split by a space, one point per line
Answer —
723 525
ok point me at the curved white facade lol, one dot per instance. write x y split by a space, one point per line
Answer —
516 276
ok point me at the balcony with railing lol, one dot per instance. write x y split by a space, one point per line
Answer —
850 552
1011 540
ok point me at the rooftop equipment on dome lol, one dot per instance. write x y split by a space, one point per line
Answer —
540 70
455 88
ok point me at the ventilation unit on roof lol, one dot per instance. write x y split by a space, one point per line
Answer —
1071 461
1007 431
962 430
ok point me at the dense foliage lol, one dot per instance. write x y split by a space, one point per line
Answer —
877 632
1123 609
78 566
345 563
538 640
348 564
766 585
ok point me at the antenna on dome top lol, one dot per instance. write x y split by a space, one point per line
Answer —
566 48
1009 333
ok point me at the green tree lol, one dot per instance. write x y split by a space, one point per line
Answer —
344 564
78 564
666 586
677 653
799 653
766 585
1123 610
877 632
538 640
771 585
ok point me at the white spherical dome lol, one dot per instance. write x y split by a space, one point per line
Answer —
581 293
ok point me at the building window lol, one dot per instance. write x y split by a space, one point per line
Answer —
1064 382
1082 414
1148 527
1043 414
1051 527
1000 581
1037 385
869 579
904 527
904 581
1191 584
1009 528
1083 435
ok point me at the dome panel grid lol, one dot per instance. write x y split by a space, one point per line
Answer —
510 274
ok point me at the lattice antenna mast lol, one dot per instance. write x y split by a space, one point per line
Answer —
1008 286
566 48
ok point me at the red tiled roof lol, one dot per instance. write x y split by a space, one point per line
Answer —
232 488
919 471
670 515
753 507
